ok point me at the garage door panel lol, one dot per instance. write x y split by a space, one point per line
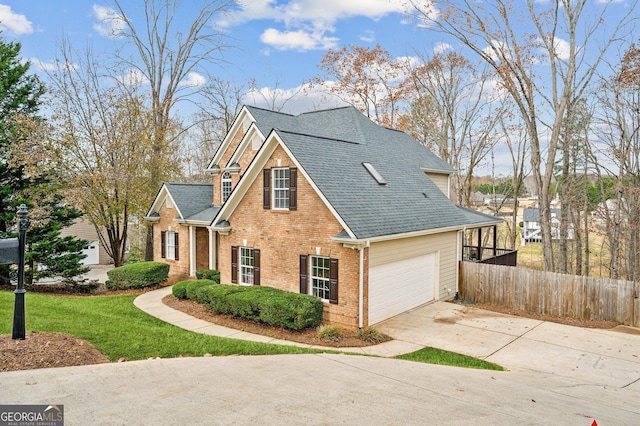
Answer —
400 286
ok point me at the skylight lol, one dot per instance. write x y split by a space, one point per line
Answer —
376 175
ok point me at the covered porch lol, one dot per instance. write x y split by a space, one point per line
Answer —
481 245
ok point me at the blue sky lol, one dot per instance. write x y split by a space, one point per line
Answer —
274 41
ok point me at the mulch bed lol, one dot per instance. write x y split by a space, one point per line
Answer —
310 336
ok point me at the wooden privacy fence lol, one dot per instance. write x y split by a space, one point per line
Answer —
551 293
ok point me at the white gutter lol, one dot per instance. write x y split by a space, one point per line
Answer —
356 241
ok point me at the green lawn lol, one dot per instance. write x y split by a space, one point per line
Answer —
439 356
120 330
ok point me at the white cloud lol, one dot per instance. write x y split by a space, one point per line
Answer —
133 78
562 48
193 80
297 40
368 36
441 48
109 23
295 100
308 22
14 22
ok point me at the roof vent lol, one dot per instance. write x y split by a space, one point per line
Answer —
373 172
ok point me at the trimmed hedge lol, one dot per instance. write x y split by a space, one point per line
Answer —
137 275
208 274
187 289
266 304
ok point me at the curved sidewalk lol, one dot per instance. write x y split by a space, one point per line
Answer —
151 303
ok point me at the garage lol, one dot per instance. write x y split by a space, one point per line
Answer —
93 253
399 286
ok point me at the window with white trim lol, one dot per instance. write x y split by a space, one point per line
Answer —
171 245
226 186
320 278
246 265
281 188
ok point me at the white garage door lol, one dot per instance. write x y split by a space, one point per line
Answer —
93 253
399 286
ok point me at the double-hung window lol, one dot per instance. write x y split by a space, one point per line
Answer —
170 249
319 277
280 188
245 265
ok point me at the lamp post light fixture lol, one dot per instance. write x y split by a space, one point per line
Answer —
19 329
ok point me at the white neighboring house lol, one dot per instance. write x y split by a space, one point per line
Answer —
96 254
531 231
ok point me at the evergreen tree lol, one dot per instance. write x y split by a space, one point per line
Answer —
27 175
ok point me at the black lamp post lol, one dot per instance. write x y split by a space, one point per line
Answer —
19 329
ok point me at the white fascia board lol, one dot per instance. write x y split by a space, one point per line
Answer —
235 128
439 171
244 143
160 198
253 172
409 234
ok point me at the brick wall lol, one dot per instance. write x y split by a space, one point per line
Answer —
282 236
178 269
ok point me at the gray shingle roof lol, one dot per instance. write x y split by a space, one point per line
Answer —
331 146
193 200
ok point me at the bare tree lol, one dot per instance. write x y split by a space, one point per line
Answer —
166 56
462 114
618 158
103 140
369 79
514 43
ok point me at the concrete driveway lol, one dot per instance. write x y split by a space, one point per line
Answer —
557 375
594 357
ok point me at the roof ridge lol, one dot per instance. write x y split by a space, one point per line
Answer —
316 136
188 183
270 110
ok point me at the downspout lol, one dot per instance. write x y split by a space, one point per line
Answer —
361 289
460 250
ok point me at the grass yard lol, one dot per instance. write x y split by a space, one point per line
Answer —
439 356
120 330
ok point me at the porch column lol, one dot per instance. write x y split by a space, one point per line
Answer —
212 249
495 240
192 251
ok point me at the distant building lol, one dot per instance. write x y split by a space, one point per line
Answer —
532 232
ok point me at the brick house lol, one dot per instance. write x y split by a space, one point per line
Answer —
326 203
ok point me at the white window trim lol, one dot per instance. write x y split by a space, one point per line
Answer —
274 189
171 245
226 179
313 277
241 265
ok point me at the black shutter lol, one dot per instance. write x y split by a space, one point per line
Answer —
256 266
266 188
177 249
234 264
333 281
304 274
293 189
163 244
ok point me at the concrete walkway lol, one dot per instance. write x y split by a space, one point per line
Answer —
151 303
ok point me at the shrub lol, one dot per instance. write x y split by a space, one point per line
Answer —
269 305
370 335
179 290
329 333
137 275
194 285
208 274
